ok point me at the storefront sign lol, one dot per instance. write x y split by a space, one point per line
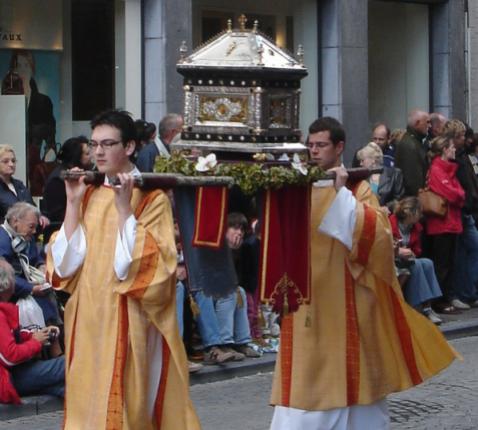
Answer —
31 24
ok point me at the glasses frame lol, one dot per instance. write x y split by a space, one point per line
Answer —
105 145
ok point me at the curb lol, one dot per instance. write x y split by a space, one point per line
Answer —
456 329
36 405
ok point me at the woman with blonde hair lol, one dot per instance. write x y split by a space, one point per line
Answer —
388 185
12 190
443 231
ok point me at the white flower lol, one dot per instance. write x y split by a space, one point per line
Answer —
206 163
298 165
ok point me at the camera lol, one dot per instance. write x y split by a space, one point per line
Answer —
52 335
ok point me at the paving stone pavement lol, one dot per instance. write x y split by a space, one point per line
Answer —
447 402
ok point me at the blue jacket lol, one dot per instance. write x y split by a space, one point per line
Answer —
22 287
8 198
146 157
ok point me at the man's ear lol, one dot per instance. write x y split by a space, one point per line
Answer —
130 147
339 148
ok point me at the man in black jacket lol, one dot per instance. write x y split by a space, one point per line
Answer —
411 152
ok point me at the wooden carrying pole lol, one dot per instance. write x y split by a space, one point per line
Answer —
150 181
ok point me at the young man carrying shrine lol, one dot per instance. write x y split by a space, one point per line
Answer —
357 341
115 253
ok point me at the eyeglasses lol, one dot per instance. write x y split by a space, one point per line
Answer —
315 145
104 144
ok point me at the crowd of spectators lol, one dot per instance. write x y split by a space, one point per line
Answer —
436 257
438 254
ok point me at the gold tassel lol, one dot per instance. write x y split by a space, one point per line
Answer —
285 308
194 306
240 302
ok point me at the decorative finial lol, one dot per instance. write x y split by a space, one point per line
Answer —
300 55
242 22
183 50
260 51
229 25
256 26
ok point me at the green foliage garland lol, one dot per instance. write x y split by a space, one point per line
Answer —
250 177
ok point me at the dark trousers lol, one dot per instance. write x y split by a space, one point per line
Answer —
442 253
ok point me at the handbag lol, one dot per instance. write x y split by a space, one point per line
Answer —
432 203
30 312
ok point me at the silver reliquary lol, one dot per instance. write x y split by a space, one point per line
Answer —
242 94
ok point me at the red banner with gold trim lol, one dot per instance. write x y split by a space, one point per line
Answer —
285 254
210 216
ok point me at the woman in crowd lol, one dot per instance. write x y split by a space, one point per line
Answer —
13 190
443 231
388 185
73 153
146 132
422 287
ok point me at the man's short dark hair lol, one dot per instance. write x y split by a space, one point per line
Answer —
237 220
327 123
119 119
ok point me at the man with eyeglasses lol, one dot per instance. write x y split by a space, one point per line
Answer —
357 341
116 255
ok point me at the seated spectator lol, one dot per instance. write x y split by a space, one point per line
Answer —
387 186
215 349
13 190
231 310
443 231
21 373
73 153
18 247
422 286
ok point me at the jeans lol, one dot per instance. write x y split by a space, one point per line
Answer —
180 306
423 284
232 318
40 377
207 322
466 261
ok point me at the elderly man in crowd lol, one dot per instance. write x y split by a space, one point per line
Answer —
20 373
18 247
411 152
169 128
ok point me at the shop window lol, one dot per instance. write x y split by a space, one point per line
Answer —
92 39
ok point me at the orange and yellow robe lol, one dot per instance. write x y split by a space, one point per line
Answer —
357 341
124 355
